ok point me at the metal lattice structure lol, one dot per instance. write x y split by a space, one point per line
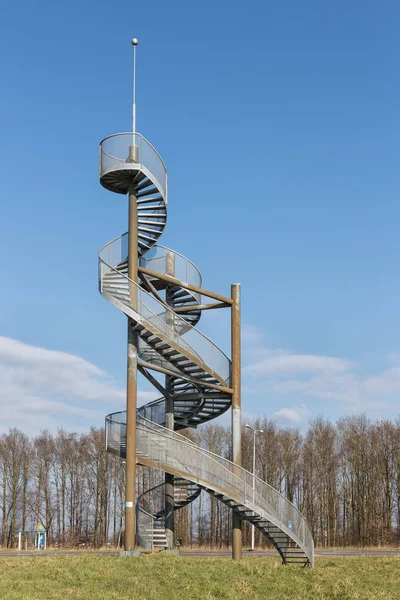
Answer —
160 291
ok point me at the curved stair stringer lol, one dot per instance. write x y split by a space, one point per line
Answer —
162 449
190 409
151 523
150 325
195 401
151 207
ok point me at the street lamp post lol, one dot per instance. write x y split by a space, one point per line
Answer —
255 431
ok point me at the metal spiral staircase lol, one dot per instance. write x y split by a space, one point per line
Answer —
164 307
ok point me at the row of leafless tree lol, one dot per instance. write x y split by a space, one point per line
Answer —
344 477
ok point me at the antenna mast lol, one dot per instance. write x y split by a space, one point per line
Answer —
134 43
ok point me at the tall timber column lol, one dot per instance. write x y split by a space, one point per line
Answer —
236 410
169 423
131 388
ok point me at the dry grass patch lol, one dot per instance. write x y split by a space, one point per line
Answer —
159 577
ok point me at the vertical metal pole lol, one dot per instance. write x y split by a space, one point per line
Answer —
169 424
254 484
134 43
236 411
131 391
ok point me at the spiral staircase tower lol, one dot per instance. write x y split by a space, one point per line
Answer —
160 291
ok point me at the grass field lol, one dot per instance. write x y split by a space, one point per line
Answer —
160 577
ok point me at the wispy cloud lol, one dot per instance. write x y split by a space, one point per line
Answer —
251 335
42 388
293 415
279 372
284 363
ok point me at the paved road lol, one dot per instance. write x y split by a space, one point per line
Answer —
208 553
317 553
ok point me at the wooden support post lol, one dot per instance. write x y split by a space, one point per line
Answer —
236 411
131 391
169 424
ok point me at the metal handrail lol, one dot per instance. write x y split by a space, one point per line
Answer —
148 492
213 457
149 160
143 257
119 237
182 439
248 490
174 336
191 327
158 402
169 433
141 535
142 509
185 325
110 418
132 133
244 477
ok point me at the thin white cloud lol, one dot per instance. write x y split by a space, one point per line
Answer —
294 415
274 373
146 397
42 388
328 386
286 364
251 335
35 368
384 384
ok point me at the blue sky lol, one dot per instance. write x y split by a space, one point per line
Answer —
279 125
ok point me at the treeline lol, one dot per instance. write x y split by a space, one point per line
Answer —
344 477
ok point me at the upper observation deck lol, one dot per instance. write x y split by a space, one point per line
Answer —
123 155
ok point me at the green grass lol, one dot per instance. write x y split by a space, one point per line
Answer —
160 577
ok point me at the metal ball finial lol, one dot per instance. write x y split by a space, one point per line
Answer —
134 41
